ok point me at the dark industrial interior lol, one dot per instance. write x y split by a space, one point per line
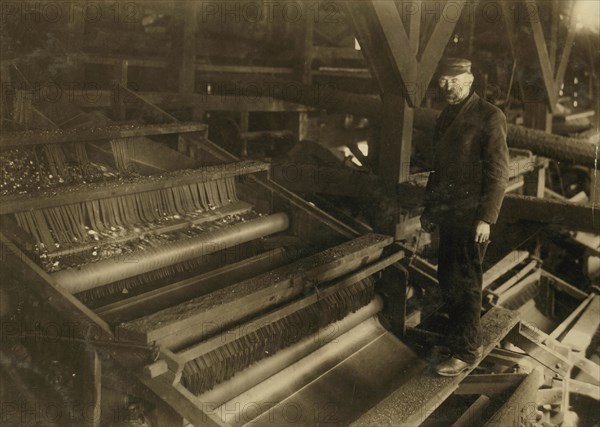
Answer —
210 213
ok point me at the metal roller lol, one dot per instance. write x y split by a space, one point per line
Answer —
268 367
103 272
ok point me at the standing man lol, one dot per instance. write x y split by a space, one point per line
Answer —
463 197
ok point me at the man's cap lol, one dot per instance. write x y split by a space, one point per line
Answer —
453 66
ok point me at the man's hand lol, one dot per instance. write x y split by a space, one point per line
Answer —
427 225
482 231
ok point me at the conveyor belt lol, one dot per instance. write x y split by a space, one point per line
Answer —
179 265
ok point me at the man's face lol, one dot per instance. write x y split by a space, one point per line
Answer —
455 88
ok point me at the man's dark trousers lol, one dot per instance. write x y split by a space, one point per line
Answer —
460 278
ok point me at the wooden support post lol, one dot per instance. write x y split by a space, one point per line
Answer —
244 125
7 96
403 72
474 414
548 293
395 140
198 114
304 43
566 53
304 56
490 384
393 284
119 95
536 77
394 153
75 41
595 189
580 336
518 409
121 69
92 385
554 16
184 45
535 181
537 116
23 108
188 58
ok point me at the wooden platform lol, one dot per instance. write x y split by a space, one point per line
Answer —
418 398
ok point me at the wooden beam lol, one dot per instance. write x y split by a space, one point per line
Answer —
186 49
92 392
580 335
11 139
566 53
200 67
305 178
222 308
474 414
130 97
490 383
328 53
585 389
513 297
393 285
511 359
178 292
533 344
75 37
554 27
184 402
535 181
569 215
589 370
499 290
119 102
506 264
435 46
303 42
526 39
521 403
427 391
362 16
174 100
549 396
534 18
516 208
537 116
565 324
395 140
400 50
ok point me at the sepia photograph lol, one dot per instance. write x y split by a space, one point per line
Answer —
321 213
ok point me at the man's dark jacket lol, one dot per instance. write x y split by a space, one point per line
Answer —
470 166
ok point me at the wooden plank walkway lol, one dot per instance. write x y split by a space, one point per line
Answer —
418 398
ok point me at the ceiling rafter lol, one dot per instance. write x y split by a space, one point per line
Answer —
552 80
378 24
